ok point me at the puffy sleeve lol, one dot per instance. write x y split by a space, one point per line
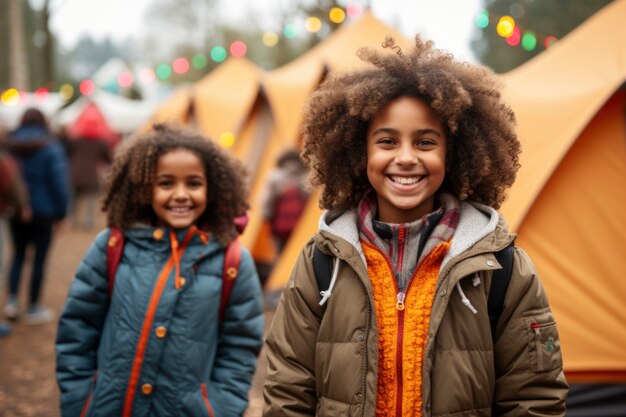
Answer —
80 328
290 346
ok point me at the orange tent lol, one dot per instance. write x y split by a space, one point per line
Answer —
568 201
218 103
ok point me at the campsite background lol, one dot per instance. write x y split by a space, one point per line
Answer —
242 78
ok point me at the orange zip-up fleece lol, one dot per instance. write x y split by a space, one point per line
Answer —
402 329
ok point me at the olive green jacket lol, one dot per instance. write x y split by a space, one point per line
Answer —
323 360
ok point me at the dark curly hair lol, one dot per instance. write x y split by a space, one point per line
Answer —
482 146
128 187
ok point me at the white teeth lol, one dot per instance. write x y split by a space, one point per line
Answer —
180 209
405 180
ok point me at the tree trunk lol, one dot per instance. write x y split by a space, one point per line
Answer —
48 49
18 59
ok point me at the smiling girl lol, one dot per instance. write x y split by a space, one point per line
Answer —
157 346
413 155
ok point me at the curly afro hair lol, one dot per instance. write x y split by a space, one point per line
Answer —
128 187
482 146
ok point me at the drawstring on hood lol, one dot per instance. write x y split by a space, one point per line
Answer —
466 302
327 293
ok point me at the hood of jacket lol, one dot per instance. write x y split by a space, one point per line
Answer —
477 221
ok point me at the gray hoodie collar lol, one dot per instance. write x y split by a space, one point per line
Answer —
476 222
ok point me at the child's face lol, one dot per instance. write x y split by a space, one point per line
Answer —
179 191
406 159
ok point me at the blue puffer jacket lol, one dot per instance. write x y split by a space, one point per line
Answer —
155 350
45 172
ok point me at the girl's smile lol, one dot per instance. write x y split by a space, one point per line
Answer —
406 149
179 192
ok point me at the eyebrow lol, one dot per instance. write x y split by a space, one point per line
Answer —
418 132
168 175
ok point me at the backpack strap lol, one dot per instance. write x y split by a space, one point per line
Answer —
499 285
115 248
232 260
323 268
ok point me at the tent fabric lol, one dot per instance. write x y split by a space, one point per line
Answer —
176 109
119 114
224 98
575 234
556 94
90 124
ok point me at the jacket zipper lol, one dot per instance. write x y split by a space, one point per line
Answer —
144 335
400 307
86 406
537 328
205 397
400 298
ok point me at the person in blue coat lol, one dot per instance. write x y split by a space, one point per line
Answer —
156 344
44 168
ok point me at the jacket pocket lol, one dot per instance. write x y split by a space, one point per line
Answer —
544 346
328 407
205 397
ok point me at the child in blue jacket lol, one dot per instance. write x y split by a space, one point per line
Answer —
157 346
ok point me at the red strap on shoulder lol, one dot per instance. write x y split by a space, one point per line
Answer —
232 259
115 247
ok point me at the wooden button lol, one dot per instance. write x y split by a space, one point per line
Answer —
158 234
146 389
160 332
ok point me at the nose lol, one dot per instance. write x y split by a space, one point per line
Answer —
180 192
406 155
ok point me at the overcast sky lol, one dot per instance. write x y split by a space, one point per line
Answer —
450 23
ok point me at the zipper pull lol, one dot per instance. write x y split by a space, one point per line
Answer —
400 303
537 328
401 234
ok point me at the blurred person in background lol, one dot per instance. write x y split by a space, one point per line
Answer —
88 156
44 168
13 201
285 196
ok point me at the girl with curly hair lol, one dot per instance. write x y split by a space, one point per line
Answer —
414 155
158 343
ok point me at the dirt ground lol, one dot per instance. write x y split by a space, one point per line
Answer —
27 382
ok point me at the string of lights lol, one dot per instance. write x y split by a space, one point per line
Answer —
514 34
505 26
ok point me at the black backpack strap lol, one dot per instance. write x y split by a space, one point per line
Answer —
499 285
323 267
